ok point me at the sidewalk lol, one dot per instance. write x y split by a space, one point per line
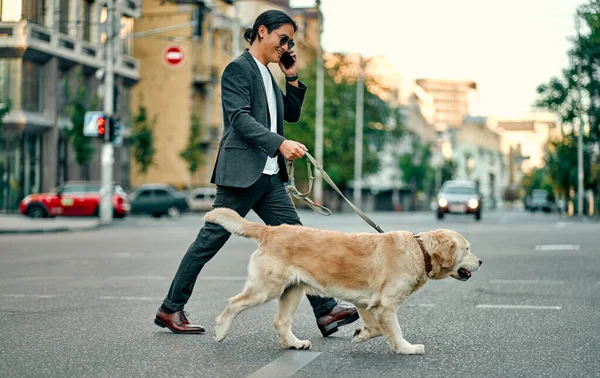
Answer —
19 224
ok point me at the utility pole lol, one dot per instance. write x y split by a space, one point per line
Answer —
107 156
235 32
318 185
581 125
358 137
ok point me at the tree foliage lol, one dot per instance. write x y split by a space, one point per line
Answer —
142 140
381 123
561 95
77 107
192 154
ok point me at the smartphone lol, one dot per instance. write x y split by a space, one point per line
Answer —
287 60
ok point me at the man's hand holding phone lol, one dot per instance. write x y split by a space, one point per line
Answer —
287 63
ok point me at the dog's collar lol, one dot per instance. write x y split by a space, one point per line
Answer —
426 256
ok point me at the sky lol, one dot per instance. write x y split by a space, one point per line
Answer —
508 47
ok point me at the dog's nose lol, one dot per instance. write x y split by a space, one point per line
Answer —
480 262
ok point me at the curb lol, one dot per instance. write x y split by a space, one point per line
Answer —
50 230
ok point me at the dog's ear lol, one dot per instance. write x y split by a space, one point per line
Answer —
443 255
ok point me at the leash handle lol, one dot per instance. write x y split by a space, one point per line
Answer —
292 189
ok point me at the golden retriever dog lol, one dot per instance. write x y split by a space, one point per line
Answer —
375 272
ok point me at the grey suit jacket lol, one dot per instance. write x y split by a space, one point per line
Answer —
247 138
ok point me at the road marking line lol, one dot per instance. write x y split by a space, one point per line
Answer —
223 278
540 282
523 307
420 305
561 224
150 299
155 278
557 247
286 365
27 296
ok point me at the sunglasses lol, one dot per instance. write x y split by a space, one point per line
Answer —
285 39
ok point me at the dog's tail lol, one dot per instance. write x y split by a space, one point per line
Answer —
234 223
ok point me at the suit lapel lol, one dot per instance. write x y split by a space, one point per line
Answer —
278 97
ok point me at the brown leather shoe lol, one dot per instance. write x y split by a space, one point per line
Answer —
176 322
339 316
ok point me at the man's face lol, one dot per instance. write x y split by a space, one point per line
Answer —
271 42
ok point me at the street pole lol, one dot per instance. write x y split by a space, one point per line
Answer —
581 126
235 32
107 158
358 137
318 185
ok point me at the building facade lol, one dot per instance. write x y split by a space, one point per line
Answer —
50 50
477 155
178 95
453 100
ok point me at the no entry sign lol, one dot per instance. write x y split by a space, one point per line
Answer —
174 55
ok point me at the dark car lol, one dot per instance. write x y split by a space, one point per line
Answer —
458 197
539 200
157 200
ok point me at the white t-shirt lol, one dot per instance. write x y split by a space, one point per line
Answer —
271 167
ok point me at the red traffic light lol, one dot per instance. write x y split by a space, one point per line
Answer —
101 126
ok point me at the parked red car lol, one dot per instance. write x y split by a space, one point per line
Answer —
74 199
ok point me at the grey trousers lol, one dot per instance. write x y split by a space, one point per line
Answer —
268 198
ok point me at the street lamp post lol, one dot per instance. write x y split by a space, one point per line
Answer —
318 185
358 137
581 125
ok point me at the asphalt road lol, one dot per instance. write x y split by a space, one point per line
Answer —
81 305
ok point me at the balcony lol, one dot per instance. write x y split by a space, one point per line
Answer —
42 44
132 8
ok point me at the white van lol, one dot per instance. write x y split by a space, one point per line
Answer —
201 199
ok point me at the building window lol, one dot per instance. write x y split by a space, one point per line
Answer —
63 17
4 80
32 146
127 23
33 86
33 10
63 90
87 20
124 101
62 162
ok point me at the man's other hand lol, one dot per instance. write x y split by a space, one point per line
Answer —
292 150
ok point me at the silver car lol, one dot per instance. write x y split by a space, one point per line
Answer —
458 197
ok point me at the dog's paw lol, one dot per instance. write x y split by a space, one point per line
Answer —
300 344
219 333
412 349
357 337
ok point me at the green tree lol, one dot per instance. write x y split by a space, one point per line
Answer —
561 95
416 168
562 164
77 107
381 123
192 154
142 140
4 110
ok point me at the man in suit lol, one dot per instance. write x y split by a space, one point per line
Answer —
250 167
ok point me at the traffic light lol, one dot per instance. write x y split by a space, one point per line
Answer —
101 125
